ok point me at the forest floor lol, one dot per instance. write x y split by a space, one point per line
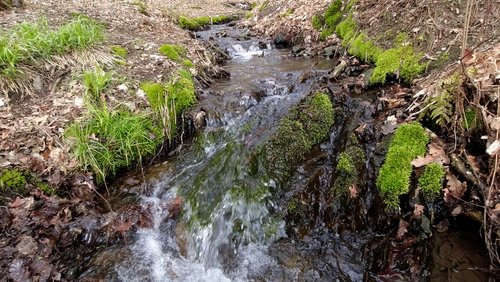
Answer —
33 121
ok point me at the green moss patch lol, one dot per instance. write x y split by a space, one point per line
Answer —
409 141
173 52
13 180
400 60
431 181
119 51
299 132
199 23
350 163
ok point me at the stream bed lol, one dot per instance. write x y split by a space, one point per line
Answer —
211 214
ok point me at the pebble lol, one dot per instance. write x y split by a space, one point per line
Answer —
2 103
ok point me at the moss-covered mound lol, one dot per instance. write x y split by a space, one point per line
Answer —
401 60
431 181
199 23
350 163
409 141
304 127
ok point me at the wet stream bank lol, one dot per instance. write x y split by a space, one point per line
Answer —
215 212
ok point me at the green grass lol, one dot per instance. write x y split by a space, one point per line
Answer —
113 140
173 52
28 42
431 181
95 81
199 23
409 141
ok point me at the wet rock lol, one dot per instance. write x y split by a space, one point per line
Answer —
199 119
281 41
297 50
262 45
329 52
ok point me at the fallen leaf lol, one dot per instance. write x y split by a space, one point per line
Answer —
418 211
403 225
390 124
454 188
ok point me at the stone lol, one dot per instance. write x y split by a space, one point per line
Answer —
329 51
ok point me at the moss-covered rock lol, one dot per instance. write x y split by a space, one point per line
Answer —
431 181
350 164
298 133
199 23
409 141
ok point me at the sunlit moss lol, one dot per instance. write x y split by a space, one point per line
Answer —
200 23
431 181
409 141
173 52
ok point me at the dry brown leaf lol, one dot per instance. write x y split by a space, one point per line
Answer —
418 211
454 188
435 154
403 225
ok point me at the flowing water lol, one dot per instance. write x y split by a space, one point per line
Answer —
232 225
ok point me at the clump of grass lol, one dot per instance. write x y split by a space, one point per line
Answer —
169 100
113 140
431 180
173 52
95 82
119 51
199 23
409 141
28 42
12 180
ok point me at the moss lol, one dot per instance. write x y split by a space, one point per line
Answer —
401 60
46 188
181 89
318 21
345 163
173 52
119 51
298 133
13 180
409 141
187 63
431 181
346 30
196 24
155 93
317 117
365 49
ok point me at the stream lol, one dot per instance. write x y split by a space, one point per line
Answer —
236 222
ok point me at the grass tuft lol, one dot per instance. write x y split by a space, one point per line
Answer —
119 51
95 82
28 42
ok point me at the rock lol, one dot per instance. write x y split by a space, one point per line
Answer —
281 41
2 103
262 45
37 83
298 49
122 88
329 52
199 119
